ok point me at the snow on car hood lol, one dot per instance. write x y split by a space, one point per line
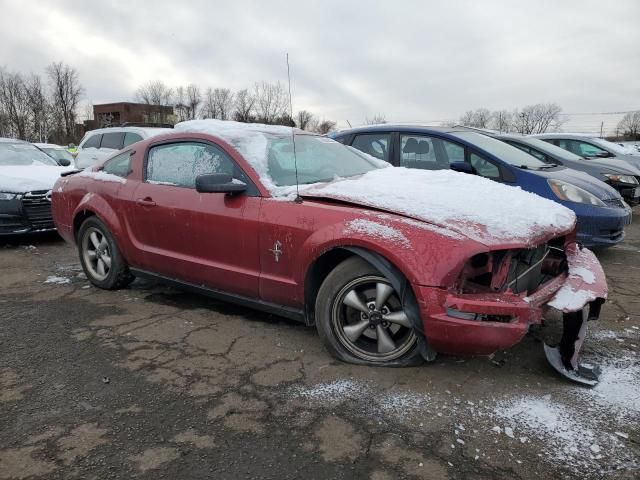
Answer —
25 178
476 207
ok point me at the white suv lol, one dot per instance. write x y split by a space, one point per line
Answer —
99 144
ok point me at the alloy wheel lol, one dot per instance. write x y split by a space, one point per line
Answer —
96 253
369 321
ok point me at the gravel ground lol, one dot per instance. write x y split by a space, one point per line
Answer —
150 382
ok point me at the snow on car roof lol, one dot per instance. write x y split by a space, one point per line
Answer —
250 139
50 145
473 206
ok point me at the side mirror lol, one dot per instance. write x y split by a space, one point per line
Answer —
604 155
63 162
463 167
219 183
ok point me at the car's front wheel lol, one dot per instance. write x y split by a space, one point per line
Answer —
360 317
100 258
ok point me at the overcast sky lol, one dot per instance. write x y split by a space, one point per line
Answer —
410 60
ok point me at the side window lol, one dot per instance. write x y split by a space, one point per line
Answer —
118 165
342 139
130 138
453 151
587 149
180 163
112 140
484 167
375 144
93 141
428 153
530 151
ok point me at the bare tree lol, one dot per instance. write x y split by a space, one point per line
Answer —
629 126
15 104
537 118
501 120
270 102
325 126
155 92
304 119
478 118
66 93
193 101
41 111
377 119
243 106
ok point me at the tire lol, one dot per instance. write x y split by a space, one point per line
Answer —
381 335
96 245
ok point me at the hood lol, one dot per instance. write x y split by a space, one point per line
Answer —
583 180
632 160
613 165
26 178
478 208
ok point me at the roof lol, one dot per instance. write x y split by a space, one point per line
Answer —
49 145
401 128
144 130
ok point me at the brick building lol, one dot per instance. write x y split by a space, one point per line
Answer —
108 114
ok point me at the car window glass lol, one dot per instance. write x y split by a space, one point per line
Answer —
587 149
93 141
112 140
130 138
428 153
375 144
454 152
530 151
118 165
484 167
179 164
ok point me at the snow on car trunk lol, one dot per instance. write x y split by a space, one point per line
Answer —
476 207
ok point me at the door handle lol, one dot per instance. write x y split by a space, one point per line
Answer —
145 202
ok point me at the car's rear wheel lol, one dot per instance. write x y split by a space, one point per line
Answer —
100 258
361 319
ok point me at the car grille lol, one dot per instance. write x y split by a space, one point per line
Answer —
614 202
37 208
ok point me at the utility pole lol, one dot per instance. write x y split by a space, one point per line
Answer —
601 126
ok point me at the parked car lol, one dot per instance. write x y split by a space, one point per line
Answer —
97 145
388 270
586 146
27 176
602 214
60 154
619 174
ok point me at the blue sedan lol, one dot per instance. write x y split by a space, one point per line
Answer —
602 214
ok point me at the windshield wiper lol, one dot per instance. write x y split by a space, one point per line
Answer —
547 165
523 167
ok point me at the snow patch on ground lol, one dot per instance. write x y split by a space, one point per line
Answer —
57 280
619 389
376 230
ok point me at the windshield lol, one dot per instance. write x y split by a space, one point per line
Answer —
23 154
612 147
549 148
58 153
503 151
319 159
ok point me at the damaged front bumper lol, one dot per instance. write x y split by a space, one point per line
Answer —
482 323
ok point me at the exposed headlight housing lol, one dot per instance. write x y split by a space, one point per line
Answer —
9 196
571 193
614 177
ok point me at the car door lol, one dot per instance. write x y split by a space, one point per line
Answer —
208 239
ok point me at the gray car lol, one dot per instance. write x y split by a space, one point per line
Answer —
590 147
622 176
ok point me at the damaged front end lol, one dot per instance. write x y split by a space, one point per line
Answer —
500 294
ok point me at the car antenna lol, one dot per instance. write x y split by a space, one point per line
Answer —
293 134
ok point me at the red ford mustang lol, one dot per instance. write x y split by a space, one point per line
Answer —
391 265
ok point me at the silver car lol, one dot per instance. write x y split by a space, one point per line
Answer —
590 147
622 176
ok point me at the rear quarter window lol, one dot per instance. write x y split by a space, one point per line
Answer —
113 140
93 141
